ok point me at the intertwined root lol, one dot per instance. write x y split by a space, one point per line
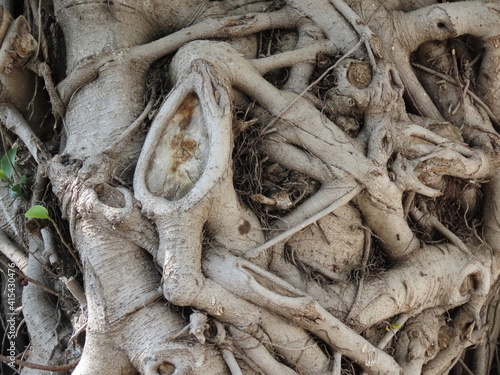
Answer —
274 308
183 181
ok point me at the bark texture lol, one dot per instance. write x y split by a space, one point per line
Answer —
250 187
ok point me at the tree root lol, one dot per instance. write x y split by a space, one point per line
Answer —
262 287
183 182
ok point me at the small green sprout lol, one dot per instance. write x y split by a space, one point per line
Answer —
392 327
7 172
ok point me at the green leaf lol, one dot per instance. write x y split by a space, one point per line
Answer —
38 212
23 179
7 169
8 161
396 326
16 188
14 193
2 175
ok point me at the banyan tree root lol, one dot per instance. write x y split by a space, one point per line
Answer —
123 316
191 114
393 165
188 198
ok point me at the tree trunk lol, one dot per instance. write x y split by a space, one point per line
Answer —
246 187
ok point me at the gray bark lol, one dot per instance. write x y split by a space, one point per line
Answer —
247 187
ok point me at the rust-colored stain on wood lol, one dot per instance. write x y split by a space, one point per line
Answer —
185 111
184 147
